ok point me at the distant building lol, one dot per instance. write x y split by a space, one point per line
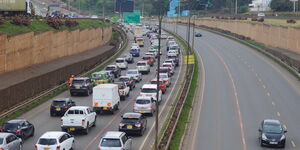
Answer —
260 5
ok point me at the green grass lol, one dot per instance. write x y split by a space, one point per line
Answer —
38 26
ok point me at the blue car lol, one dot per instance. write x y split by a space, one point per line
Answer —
135 53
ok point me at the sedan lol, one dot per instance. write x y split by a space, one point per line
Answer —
60 105
21 128
9 141
162 85
55 140
272 133
134 123
198 34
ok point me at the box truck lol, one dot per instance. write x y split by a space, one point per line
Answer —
106 98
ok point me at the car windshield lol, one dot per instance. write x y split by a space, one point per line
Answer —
173 48
142 101
172 57
75 112
163 76
132 72
140 40
147 90
141 64
43 141
58 103
98 76
163 70
166 65
146 58
111 143
1 141
11 126
133 50
155 82
124 79
78 82
130 120
110 68
120 60
272 128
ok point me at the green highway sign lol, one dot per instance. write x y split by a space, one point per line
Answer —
132 17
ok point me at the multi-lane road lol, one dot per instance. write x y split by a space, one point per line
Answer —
42 121
241 87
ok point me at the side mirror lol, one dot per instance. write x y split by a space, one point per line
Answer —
285 131
259 130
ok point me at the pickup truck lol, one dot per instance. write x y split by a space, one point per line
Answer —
124 90
78 118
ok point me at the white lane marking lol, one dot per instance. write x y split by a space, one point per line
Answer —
259 79
294 145
278 114
268 94
273 103
264 86
151 129
256 74
284 126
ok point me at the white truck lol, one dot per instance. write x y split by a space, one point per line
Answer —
106 98
78 118
138 32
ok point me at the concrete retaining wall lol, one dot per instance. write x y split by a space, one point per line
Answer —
29 49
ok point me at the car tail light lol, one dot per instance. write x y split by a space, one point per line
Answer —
83 121
57 147
1 130
108 104
129 82
99 148
84 84
35 147
18 131
1 148
138 125
51 107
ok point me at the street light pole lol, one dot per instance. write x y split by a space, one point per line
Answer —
236 7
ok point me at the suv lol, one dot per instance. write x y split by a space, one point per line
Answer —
115 69
78 118
60 105
128 80
81 85
129 58
149 59
143 67
144 104
134 123
115 140
174 58
54 140
124 90
10 142
122 63
272 133
137 76
21 128
150 90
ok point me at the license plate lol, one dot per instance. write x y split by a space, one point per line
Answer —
57 108
104 108
273 142
142 111
72 129
129 126
148 94
77 87
46 148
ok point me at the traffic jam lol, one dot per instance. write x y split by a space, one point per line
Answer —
108 88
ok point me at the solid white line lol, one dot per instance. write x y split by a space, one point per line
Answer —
278 114
259 79
268 94
264 86
273 103
294 145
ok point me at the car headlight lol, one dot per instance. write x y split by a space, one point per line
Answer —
282 137
263 137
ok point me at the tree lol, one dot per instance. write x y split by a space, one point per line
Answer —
281 5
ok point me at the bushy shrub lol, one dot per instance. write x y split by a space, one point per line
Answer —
20 20
253 19
1 21
260 19
71 23
55 23
291 21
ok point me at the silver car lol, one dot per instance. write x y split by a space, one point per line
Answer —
9 141
144 105
137 76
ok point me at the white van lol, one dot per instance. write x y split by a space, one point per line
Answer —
106 98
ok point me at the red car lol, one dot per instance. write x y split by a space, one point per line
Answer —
162 85
149 59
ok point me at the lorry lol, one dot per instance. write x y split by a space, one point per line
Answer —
78 118
106 98
16 7
138 32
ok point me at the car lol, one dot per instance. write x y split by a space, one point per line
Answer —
162 84
60 105
154 52
122 63
9 141
114 140
170 61
174 47
78 118
129 58
81 85
143 67
129 80
166 70
151 90
174 57
55 140
140 42
144 105
21 128
133 123
110 74
135 73
135 46
272 133
149 59
169 38
164 36
150 54
100 78
261 15
198 34
173 52
166 78
169 43
124 90
115 69
135 53
170 66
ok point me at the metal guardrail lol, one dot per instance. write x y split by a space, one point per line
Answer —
25 103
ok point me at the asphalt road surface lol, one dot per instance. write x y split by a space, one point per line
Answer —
242 87
42 121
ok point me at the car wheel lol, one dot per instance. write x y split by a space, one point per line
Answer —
32 133
128 94
52 114
260 143
86 131
94 124
21 146
87 92
73 146
72 94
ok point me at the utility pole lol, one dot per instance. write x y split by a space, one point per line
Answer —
143 9
188 37
236 7
103 11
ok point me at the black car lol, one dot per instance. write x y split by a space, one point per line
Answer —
81 85
129 58
21 128
115 69
198 34
272 133
128 80
133 123
60 105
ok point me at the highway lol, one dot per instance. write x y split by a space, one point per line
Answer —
42 121
241 88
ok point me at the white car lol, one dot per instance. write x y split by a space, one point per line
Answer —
136 48
78 118
135 45
169 38
114 140
9 141
164 36
169 65
122 63
170 61
151 90
55 140
143 67
135 73
165 77
154 51
173 52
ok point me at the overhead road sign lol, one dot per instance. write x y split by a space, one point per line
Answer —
132 17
